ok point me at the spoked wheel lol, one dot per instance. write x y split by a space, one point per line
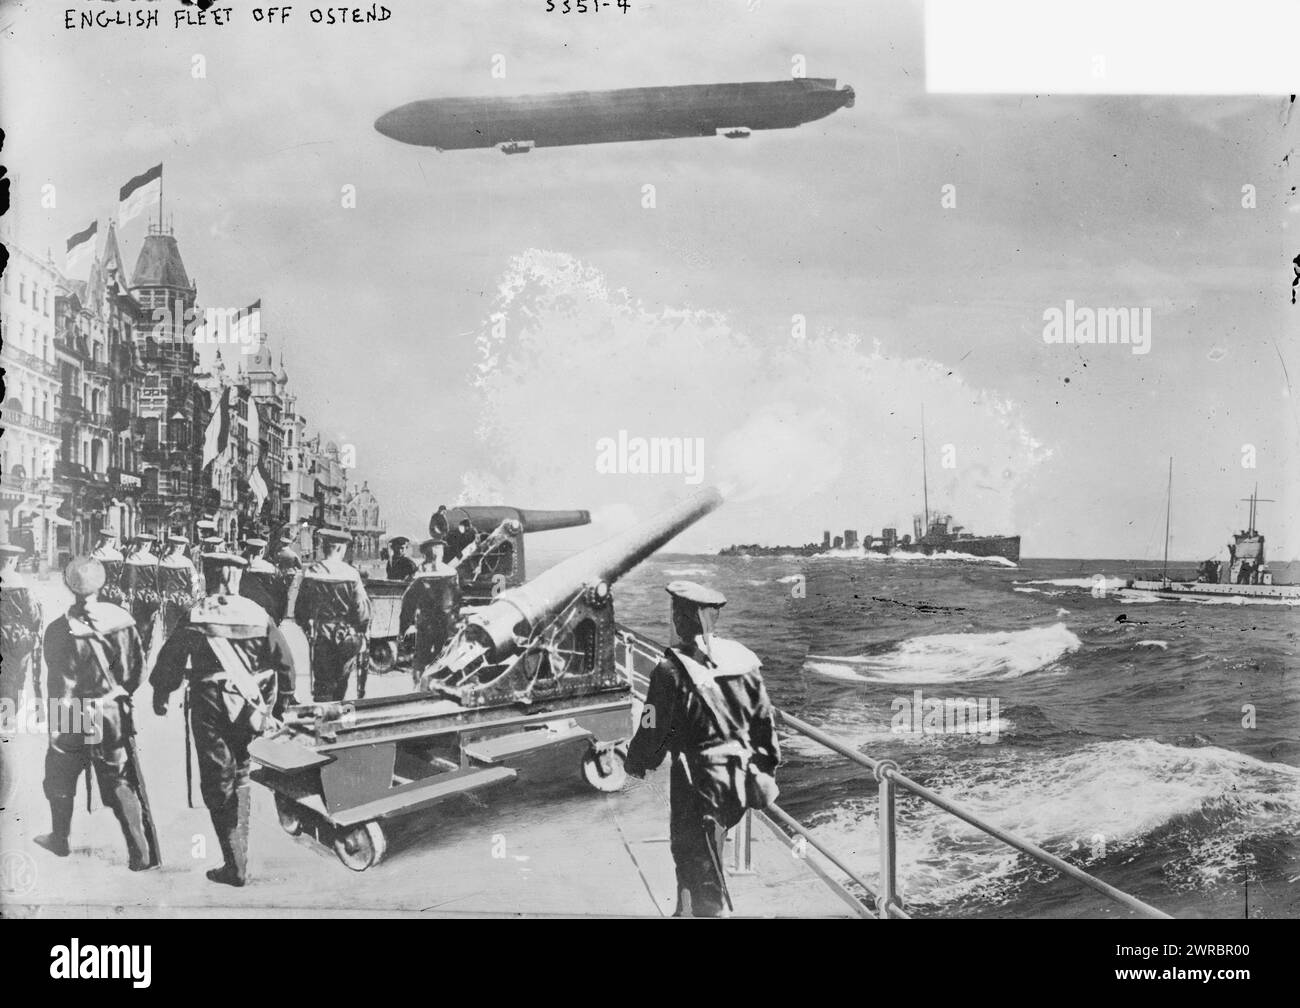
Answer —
289 813
361 847
383 656
603 769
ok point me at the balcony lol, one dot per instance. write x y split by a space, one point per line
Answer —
98 420
121 418
30 361
98 368
17 418
70 405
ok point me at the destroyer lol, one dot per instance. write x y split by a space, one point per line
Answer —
1245 574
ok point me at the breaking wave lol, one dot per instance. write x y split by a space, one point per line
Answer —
954 657
1092 805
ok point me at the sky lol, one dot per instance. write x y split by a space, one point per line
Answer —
475 324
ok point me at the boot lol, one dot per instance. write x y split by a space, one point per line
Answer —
130 816
230 822
56 841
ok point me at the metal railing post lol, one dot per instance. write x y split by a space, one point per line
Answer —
742 839
888 896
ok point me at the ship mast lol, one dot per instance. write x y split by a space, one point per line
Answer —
925 481
1169 507
1255 500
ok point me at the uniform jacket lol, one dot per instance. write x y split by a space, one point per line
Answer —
188 653
332 595
179 579
263 584
676 719
20 613
75 673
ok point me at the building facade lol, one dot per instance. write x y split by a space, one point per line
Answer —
29 498
107 409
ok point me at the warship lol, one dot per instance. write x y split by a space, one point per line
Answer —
933 534
1245 575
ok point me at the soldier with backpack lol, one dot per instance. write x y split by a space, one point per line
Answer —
708 709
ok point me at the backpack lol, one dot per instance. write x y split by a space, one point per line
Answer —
726 775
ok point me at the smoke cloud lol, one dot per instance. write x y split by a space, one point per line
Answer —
583 391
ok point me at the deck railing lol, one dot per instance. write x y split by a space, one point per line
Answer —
641 654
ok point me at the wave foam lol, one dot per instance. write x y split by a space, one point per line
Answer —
955 657
901 556
1192 805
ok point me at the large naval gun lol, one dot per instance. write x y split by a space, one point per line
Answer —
534 686
489 558
496 559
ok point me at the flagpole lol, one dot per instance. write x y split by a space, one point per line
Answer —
160 195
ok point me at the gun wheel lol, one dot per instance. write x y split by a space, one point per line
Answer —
383 656
289 813
603 769
361 847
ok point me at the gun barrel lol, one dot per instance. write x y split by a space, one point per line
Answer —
518 611
487 517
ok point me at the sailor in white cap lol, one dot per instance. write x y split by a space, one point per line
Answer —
211 573
259 579
107 553
94 654
20 630
333 610
707 707
179 584
241 677
140 587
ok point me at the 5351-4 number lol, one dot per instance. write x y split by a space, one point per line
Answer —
583 6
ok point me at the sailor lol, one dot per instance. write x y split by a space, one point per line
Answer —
288 566
284 555
107 553
400 566
258 581
95 660
458 539
140 587
707 707
179 585
430 605
211 572
20 630
334 612
241 678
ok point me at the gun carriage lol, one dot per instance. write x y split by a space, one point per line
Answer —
536 685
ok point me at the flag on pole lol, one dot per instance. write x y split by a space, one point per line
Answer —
256 480
80 250
217 435
137 194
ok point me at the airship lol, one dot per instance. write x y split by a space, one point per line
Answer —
517 124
